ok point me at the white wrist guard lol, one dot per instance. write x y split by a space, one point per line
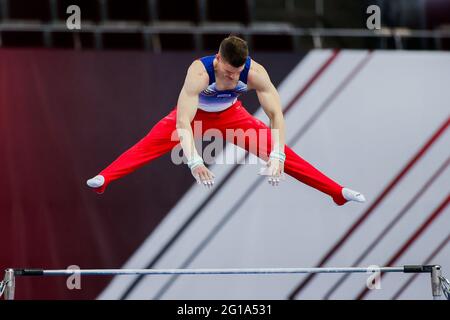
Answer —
281 156
195 162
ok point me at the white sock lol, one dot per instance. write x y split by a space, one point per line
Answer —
352 195
96 181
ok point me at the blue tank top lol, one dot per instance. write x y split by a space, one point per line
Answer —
213 100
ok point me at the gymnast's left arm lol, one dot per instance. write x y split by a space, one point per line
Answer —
270 101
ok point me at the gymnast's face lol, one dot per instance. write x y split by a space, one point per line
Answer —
226 71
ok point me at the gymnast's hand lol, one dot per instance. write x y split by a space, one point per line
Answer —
274 168
203 175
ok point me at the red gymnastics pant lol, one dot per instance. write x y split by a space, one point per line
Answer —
159 141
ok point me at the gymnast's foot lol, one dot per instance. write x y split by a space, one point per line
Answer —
97 183
351 195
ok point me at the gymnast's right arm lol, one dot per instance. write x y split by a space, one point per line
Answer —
196 81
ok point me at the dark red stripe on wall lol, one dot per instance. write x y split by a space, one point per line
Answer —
374 205
391 225
311 81
432 217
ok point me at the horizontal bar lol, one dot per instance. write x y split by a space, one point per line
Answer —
27 272
420 268
243 271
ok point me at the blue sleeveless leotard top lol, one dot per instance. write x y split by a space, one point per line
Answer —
213 100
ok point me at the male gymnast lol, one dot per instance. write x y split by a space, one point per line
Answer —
209 95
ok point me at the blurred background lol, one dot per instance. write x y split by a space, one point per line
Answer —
282 25
370 108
